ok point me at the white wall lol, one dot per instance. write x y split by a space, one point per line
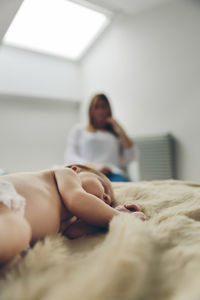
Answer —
149 66
39 103
33 132
27 73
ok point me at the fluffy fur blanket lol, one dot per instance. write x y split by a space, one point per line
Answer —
155 259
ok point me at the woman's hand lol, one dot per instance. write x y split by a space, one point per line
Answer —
105 169
100 167
115 125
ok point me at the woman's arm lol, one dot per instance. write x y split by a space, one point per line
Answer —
125 140
128 146
100 167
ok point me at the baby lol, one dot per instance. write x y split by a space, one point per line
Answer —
74 200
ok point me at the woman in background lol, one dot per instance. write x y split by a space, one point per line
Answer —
103 144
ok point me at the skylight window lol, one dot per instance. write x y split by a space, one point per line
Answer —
56 27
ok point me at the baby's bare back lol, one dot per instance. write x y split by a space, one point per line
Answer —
44 208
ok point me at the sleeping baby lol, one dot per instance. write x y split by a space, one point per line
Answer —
74 200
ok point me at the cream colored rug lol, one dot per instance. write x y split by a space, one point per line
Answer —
155 259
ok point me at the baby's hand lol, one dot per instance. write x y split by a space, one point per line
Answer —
141 215
132 208
128 208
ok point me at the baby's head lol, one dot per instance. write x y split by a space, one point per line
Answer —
95 182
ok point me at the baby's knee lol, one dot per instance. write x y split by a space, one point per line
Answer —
19 231
23 230
15 234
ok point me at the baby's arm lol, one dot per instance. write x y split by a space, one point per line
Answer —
80 228
85 206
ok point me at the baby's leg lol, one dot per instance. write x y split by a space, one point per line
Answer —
15 234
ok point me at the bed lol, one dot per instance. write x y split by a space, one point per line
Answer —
154 259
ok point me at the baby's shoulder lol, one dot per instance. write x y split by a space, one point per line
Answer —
66 181
65 173
61 171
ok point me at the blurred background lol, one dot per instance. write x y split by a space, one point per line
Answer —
146 58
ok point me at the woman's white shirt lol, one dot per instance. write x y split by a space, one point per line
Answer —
100 147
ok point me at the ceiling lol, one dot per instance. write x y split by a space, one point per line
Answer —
127 6
8 8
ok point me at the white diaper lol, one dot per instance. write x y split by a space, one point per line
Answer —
10 198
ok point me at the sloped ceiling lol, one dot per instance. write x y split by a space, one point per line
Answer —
130 7
8 9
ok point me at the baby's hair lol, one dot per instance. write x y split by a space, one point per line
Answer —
89 169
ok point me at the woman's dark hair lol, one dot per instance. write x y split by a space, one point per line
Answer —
92 104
